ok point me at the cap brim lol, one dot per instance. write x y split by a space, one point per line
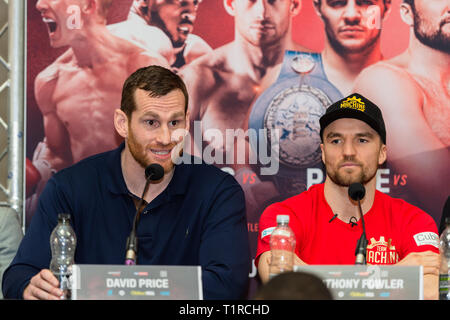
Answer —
328 118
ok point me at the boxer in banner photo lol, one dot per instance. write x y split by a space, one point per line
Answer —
352 41
78 93
164 25
413 90
136 30
224 83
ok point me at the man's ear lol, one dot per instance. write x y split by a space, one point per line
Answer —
121 123
296 6
383 155
188 120
387 8
229 7
323 153
142 3
407 14
89 7
316 4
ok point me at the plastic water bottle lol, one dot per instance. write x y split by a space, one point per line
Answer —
444 273
63 243
282 247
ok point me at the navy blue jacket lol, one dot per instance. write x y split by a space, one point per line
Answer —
199 219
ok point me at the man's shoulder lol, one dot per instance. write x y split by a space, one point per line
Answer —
389 84
394 70
50 73
195 40
400 208
209 64
381 69
46 81
207 179
301 201
88 167
307 196
201 171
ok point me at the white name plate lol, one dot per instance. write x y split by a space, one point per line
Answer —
121 282
372 282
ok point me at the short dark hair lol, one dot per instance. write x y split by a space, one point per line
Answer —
410 2
294 286
156 80
384 1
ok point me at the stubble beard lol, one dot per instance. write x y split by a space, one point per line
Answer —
340 48
346 179
138 153
436 40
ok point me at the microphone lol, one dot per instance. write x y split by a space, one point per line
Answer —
153 172
356 191
334 217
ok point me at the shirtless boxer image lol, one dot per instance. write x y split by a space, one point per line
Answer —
165 26
224 83
137 30
352 39
413 91
78 93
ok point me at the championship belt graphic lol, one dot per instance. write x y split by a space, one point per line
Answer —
293 105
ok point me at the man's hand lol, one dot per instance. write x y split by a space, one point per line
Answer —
428 259
264 263
43 286
431 262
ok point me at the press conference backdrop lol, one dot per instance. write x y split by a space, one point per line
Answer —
213 27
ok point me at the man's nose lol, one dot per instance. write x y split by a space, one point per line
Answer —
352 13
189 10
164 135
261 7
188 16
349 148
41 5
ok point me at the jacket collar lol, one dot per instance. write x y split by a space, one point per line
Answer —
116 182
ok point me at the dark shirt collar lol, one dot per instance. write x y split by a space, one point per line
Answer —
116 182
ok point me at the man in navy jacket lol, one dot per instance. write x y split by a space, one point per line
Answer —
194 215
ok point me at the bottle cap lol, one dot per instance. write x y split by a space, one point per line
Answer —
63 216
282 218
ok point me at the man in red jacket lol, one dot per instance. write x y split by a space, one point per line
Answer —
323 218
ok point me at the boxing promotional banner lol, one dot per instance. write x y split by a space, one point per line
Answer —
259 73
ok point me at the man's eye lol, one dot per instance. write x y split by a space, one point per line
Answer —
338 3
366 2
151 123
362 140
174 123
335 141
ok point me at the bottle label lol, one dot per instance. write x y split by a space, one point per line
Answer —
444 283
65 284
283 232
267 232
